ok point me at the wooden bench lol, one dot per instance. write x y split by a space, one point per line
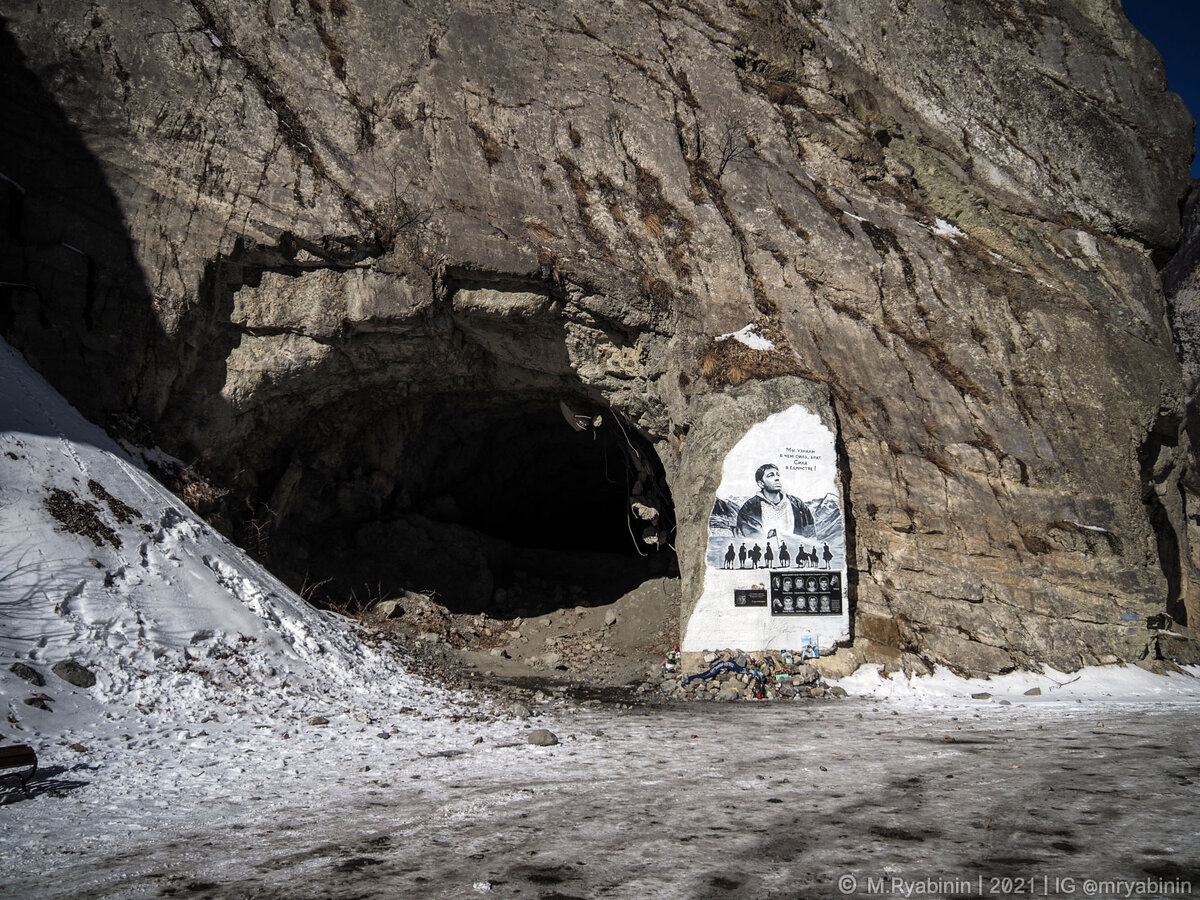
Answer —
18 756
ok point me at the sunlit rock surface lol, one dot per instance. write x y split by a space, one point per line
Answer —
330 252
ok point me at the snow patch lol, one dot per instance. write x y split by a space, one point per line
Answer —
176 624
944 229
750 337
1107 684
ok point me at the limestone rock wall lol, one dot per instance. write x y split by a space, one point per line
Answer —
1181 283
261 224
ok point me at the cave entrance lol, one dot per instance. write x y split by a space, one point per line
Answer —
510 507
564 504
531 476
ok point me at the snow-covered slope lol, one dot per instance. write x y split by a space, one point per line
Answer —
101 565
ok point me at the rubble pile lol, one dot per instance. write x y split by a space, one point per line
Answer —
592 648
583 644
736 675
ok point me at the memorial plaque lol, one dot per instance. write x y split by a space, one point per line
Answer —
775 567
750 598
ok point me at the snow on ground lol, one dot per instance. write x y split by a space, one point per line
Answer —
173 620
1049 688
191 767
205 664
703 801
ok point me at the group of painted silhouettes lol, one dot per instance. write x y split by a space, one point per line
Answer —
805 556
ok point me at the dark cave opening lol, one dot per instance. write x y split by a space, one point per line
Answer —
498 505
547 494
525 475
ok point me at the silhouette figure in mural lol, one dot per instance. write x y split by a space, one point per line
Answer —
812 555
826 553
730 556
742 556
755 556
785 558
771 509
769 555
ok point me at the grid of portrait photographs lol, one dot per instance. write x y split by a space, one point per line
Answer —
806 593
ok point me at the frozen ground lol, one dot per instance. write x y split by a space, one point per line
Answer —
701 801
190 768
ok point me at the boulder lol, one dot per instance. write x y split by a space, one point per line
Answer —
28 673
74 673
541 737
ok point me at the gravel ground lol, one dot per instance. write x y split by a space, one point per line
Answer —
687 801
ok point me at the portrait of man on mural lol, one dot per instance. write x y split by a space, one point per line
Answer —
773 512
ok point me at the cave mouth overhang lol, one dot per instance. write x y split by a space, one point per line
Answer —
475 464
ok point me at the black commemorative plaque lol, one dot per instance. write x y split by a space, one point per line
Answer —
752 597
806 592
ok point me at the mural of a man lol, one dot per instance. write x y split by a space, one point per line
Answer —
772 510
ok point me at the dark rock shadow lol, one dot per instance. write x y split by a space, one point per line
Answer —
73 299
52 781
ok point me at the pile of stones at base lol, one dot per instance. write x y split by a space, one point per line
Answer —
735 675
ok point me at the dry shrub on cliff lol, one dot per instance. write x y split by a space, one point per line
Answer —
791 224
783 94
659 216
200 495
581 190
1035 544
396 216
256 529
734 143
579 185
540 230
933 454
659 292
729 361
937 353
612 198
677 258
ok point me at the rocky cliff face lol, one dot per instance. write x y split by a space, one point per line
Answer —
1181 284
349 256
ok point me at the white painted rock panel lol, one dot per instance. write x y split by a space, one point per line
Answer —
775 565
